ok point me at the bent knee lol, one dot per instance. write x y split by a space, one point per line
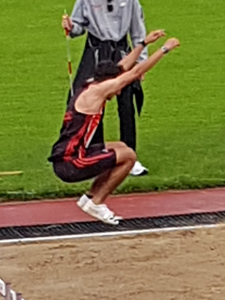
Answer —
122 145
130 154
125 153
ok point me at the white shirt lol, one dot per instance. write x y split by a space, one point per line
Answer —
125 18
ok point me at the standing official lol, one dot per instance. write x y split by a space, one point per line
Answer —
108 24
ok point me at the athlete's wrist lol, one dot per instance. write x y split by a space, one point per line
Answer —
165 49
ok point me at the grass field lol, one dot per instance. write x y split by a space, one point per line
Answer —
182 126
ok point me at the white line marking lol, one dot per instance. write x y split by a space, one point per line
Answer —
106 234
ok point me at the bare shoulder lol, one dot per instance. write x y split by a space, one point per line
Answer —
112 87
102 89
104 85
89 92
89 101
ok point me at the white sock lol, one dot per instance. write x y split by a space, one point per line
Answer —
83 200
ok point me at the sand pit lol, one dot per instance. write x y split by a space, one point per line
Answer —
186 265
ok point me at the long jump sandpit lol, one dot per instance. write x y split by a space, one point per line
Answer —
179 265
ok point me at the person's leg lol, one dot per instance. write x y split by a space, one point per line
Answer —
127 126
105 183
127 117
109 180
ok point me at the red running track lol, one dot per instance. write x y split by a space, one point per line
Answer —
128 206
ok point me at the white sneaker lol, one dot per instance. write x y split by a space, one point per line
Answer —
138 169
100 212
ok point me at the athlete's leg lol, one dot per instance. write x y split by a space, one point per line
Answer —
102 178
106 183
109 180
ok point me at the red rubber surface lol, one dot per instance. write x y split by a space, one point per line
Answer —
128 206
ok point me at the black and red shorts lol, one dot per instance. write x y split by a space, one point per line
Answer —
93 164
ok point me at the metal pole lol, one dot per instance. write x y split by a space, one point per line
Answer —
69 59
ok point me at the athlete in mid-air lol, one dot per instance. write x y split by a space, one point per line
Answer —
72 156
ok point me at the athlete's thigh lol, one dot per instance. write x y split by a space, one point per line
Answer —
115 145
123 152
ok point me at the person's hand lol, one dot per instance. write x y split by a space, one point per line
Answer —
172 43
67 24
154 36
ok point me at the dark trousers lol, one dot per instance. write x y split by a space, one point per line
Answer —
127 117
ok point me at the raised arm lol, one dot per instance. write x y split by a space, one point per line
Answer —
111 87
128 61
91 100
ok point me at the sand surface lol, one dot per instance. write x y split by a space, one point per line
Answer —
169 266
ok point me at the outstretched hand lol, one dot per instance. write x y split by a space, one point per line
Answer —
172 43
67 24
154 36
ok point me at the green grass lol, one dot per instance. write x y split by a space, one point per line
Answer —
181 129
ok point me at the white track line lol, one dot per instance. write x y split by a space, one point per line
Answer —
106 234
